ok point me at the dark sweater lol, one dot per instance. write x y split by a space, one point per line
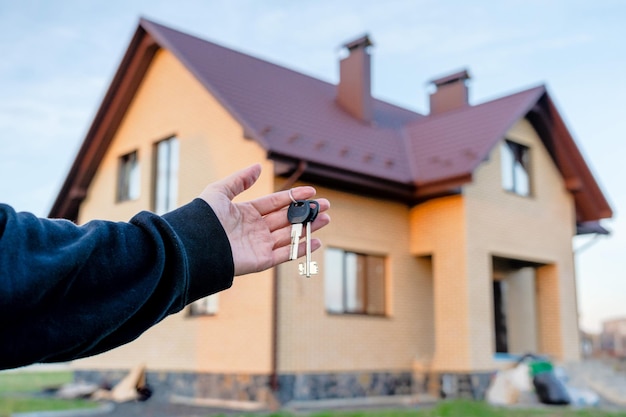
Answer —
69 291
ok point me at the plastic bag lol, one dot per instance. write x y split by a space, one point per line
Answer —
549 389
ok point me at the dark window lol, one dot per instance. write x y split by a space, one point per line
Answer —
516 168
354 282
128 177
165 175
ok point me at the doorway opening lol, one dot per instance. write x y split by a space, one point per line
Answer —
515 306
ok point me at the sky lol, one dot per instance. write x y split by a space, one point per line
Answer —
57 59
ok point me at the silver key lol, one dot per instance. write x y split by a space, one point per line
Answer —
309 267
297 214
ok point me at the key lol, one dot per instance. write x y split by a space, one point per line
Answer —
309 267
297 213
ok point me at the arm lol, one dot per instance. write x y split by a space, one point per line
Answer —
70 291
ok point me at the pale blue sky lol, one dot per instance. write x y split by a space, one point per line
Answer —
57 58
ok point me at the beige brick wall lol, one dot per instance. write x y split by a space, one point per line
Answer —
538 228
311 340
438 229
170 101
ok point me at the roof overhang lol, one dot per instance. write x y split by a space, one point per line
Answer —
591 205
338 178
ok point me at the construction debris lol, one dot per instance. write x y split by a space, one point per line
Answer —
133 387
535 380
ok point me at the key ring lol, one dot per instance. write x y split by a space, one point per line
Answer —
291 196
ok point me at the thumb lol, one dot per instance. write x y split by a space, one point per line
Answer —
239 181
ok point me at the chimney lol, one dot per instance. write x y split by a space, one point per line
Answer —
450 93
354 89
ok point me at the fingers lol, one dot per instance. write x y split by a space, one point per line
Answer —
241 180
270 203
282 236
273 207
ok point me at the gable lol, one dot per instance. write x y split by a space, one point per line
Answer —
168 103
448 147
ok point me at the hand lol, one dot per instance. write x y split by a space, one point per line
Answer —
258 230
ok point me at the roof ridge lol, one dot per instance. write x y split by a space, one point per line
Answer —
147 23
541 87
430 118
248 55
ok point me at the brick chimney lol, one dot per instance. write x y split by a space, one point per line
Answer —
354 89
450 93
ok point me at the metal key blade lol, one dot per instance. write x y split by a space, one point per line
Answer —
296 233
310 267
307 270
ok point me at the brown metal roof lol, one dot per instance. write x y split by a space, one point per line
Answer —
292 114
295 118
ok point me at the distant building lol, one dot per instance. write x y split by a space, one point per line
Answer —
451 241
613 337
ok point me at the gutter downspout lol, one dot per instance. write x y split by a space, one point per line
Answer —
274 385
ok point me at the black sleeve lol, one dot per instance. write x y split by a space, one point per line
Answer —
70 291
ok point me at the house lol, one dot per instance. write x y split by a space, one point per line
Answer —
451 241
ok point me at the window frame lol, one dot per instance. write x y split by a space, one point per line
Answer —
350 287
128 177
170 175
516 168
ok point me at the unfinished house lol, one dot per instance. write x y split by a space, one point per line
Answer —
449 253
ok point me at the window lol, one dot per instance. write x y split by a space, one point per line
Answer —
166 175
354 282
128 177
515 168
204 306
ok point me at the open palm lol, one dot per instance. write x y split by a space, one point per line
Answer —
258 230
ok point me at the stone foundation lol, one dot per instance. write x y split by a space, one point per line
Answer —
307 387
460 385
300 387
